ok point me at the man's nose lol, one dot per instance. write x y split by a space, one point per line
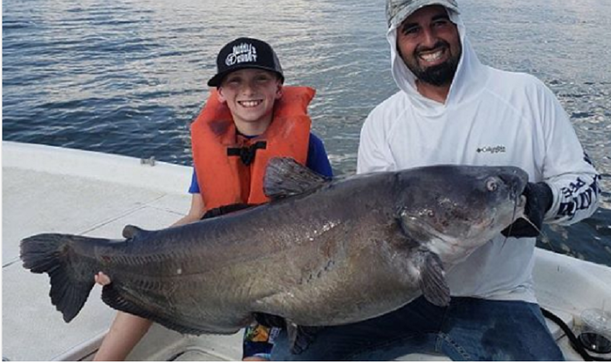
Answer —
429 38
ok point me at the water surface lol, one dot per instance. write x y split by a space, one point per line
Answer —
129 76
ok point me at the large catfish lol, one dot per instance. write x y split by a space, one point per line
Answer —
320 253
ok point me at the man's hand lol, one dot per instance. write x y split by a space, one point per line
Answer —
539 199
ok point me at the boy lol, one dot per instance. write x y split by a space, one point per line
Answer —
249 118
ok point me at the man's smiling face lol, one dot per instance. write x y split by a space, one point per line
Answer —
429 44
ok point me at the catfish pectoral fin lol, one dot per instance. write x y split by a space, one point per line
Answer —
432 281
71 274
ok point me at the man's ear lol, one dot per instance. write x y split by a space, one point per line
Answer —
222 98
279 90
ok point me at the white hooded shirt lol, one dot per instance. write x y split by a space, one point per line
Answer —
490 117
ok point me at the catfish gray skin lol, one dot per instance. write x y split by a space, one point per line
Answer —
320 253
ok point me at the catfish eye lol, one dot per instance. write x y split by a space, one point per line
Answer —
492 185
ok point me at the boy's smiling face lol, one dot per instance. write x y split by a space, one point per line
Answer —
250 95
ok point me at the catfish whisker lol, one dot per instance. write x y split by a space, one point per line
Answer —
514 218
542 235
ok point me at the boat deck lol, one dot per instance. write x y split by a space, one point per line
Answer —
48 189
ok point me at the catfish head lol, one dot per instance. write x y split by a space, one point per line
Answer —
452 209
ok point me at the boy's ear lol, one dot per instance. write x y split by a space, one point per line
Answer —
279 90
222 98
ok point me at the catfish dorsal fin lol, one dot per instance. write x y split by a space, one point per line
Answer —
285 177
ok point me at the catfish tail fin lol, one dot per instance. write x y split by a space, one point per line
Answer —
71 272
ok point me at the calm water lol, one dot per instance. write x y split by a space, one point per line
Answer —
129 76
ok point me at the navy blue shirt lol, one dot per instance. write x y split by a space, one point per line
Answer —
317 161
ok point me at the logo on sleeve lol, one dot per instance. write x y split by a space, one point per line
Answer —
578 196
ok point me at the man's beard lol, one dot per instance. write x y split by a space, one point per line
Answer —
439 75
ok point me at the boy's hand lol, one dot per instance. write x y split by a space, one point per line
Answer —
102 279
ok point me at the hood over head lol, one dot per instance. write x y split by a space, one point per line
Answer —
467 80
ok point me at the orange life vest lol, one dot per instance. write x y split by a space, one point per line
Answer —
221 156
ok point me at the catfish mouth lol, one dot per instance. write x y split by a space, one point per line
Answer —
517 205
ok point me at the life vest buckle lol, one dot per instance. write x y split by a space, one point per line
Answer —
247 153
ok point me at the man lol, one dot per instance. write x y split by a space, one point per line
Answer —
451 109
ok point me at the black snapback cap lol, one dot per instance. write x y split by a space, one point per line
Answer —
245 53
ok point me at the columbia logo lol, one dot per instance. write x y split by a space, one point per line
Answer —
491 149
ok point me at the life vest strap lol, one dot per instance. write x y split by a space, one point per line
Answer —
247 153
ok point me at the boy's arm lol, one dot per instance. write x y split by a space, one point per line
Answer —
318 160
196 211
125 332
